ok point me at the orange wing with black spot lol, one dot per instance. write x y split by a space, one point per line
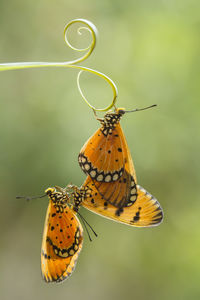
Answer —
120 193
61 245
105 154
106 158
145 212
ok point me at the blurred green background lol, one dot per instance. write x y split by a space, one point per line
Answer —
151 50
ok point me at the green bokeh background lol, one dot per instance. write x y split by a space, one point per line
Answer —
151 50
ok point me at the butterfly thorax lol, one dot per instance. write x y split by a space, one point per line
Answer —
78 196
70 196
60 199
110 120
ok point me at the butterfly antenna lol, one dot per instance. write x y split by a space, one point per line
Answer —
86 223
139 109
85 228
30 198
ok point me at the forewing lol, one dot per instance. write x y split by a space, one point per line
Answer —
104 157
61 245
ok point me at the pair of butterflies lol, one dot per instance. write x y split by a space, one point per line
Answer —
110 190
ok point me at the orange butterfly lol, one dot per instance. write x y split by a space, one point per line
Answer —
63 233
62 237
106 158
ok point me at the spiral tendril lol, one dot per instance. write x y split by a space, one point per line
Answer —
72 64
91 28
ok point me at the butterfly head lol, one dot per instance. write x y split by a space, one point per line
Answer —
57 195
78 195
50 191
120 111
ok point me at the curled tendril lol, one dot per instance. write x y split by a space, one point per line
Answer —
112 84
72 64
91 28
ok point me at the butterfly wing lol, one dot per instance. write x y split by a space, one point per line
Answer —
120 193
107 159
104 157
145 212
61 245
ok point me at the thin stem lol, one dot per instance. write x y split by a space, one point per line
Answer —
72 64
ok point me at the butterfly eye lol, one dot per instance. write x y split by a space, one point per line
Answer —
50 191
120 111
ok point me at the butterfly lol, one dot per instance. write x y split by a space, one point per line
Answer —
62 237
145 211
63 233
106 158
